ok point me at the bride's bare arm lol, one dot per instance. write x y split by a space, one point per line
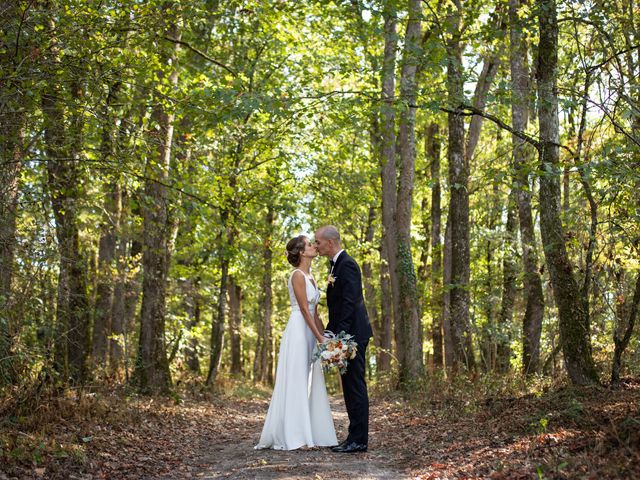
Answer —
300 291
316 317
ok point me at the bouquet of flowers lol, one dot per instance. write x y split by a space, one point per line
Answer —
336 352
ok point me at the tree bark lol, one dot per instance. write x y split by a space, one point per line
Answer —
459 203
12 132
437 332
488 333
62 145
217 327
509 274
409 348
385 333
534 312
116 341
367 278
152 368
108 239
449 354
624 329
235 324
11 147
388 165
263 366
573 320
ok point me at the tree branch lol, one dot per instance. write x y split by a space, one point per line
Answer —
468 110
201 53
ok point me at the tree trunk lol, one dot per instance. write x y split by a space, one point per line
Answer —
193 347
132 298
488 337
585 174
459 203
532 321
235 324
118 311
108 239
152 368
437 333
11 145
385 332
624 329
367 278
573 320
12 133
62 144
263 371
217 327
409 349
509 274
446 297
388 164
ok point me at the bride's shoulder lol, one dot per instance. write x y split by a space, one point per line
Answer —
296 273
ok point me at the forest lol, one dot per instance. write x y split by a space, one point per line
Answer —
481 160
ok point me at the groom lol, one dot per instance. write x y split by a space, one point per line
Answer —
347 313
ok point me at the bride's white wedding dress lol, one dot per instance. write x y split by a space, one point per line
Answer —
299 413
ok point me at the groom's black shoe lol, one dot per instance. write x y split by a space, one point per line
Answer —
340 445
350 447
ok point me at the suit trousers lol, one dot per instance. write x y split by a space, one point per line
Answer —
356 397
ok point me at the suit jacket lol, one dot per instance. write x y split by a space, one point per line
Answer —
347 311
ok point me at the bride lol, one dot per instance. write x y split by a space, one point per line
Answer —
299 413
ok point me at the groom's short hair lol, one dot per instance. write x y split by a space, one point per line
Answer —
331 233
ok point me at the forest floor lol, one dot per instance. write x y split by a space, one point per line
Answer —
562 433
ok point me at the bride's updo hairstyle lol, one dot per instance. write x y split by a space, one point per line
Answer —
295 247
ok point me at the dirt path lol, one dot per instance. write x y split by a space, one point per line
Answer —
589 433
238 460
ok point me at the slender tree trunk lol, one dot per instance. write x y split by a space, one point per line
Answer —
235 324
485 80
263 370
108 239
193 346
534 312
624 329
385 334
133 290
566 194
367 278
12 132
488 337
585 175
574 324
11 145
217 328
459 203
388 164
409 349
509 274
152 368
449 355
118 312
437 332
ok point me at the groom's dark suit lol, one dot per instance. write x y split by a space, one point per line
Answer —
347 312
